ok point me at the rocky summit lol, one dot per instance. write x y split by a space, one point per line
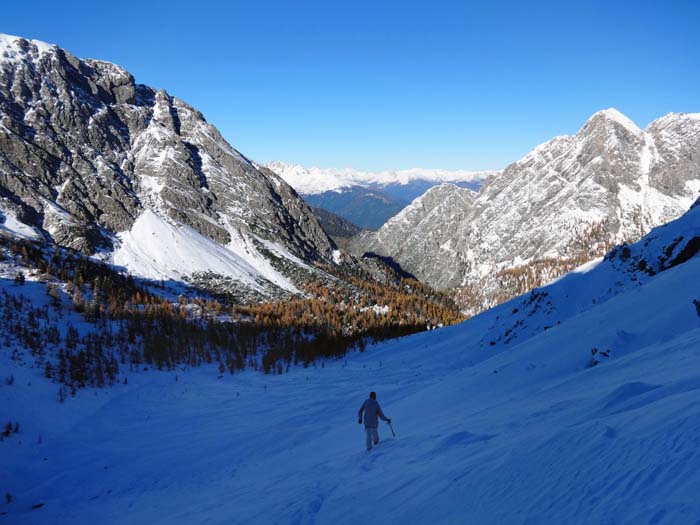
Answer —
91 160
565 202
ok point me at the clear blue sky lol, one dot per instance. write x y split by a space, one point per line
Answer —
378 85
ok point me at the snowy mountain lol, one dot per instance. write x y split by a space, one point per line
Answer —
575 403
91 160
427 224
366 198
122 401
567 200
310 181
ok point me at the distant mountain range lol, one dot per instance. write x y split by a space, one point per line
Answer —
565 202
369 199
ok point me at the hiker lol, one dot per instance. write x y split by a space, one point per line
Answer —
371 409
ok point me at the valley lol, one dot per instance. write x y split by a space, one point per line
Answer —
187 331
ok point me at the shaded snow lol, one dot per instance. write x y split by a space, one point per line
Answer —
10 225
521 433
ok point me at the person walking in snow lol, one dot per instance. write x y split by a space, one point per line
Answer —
372 410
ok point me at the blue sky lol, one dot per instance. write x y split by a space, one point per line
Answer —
379 85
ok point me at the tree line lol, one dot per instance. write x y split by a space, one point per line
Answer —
131 323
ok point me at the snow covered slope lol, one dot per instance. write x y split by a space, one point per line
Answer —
157 249
91 160
576 403
429 228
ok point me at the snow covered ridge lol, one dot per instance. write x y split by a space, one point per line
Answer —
313 180
14 48
576 403
569 199
94 161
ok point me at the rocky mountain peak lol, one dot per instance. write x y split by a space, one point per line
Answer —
15 48
444 196
567 200
85 152
611 117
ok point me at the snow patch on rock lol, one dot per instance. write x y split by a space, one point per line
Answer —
12 49
10 225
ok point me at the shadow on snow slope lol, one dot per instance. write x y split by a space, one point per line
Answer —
524 431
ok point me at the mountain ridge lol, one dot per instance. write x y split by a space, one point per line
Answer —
85 152
569 199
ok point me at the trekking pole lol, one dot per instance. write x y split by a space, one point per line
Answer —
392 430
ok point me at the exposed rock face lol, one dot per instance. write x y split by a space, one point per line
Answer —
84 150
422 234
570 197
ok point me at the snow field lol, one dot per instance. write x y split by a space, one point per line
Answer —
522 434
